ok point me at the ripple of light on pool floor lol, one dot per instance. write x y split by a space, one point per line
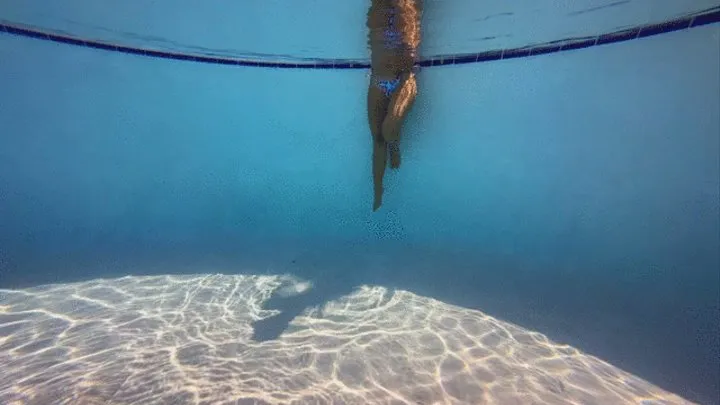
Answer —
188 340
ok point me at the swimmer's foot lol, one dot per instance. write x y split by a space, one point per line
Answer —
395 161
377 201
394 156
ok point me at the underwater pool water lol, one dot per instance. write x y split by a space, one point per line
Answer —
178 232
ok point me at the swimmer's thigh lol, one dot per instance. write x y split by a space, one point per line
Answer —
400 104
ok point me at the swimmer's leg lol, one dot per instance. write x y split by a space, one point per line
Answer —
377 108
401 102
379 163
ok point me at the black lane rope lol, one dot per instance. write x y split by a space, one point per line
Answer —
705 17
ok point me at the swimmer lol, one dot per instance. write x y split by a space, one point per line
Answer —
394 37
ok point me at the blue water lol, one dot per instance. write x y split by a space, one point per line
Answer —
575 194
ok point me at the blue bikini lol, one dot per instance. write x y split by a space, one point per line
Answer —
388 86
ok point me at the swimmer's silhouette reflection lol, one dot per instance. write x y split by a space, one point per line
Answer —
394 37
325 285
323 290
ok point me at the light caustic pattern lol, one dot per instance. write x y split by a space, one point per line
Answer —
188 340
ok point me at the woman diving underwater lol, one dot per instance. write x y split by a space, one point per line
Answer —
394 37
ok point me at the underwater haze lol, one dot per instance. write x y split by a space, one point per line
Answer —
575 194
